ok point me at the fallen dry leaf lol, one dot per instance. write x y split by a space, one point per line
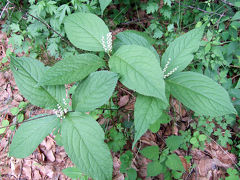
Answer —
123 100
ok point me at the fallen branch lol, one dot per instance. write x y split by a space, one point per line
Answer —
4 9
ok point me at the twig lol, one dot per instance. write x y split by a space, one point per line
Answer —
136 21
47 25
226 152
234 66
4 9
192 7
226 2
235 76
44 23
110 109
32 119
127 92
220 18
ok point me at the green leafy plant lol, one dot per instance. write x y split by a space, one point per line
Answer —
198 140
136 65
233 174
18 112
74 173
117 140
165 163
4 123
218 126
126 160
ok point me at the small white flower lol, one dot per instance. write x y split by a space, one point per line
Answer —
166 66
107 44
165 69
64 102
103 44
170 73
109 41
61 111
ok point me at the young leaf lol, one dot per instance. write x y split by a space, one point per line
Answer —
30 134
147 110
94 91
139 70
85 31
132 174
117 140
133 37
154 168
126 160
201 94
173 162
83 140
71 69
104 4
14 111
181 50
164 119
174 142
27 73
3 124
72 172
151 152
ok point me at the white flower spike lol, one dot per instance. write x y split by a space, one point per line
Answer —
166 66
170 73
165 69
107 44
61 111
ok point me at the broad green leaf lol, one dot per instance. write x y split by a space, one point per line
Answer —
131 174
181 50
154 168
131 37
73 172
27 73
94 91
154 127
238 84
174 142
71 69
85 31
201 94
104 4
173 162
236 16
237 4
147 110
151 152
83 141
30 134
145 35
139 70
